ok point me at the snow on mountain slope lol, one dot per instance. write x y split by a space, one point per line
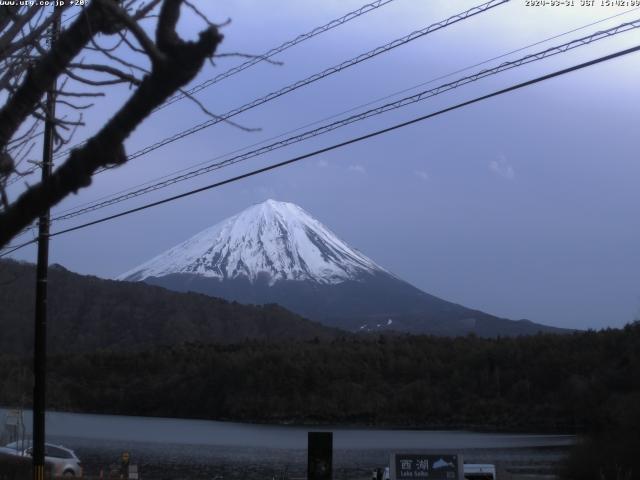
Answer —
279 239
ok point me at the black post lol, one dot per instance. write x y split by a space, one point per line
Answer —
40 346
319 455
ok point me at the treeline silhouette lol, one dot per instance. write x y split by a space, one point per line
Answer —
544 382
586 382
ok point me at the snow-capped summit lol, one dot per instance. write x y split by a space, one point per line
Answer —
278 240
275 252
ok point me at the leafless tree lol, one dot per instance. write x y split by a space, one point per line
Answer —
109 33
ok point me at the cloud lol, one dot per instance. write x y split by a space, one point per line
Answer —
322 164
422 174
357 168
502 168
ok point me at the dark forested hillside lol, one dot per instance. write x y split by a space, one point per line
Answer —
544 382
584 382
88 313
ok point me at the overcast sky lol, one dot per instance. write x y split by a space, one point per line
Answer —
524 206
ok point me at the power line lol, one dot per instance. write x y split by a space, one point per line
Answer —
279 49
263 57
345 143
358 139
10 249
423 95
336 115
548 39
318 76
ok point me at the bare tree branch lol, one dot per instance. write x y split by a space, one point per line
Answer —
28 39
195 10
18 23
98 83
143 11
207 112
109 70
78 94
47 69
6 15
121 61
145 42
178 64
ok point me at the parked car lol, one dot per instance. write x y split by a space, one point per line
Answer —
64 462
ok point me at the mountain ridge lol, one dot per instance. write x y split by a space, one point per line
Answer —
88 313
275 252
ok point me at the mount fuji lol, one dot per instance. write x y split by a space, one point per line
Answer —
276 252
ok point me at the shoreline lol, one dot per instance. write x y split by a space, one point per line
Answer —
298 423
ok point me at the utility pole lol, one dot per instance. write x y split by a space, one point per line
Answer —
40 345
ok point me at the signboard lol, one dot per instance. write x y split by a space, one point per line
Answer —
426 465
13 418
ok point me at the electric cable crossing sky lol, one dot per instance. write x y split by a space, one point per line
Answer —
423 95
340 145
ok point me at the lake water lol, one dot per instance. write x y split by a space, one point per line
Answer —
177 448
